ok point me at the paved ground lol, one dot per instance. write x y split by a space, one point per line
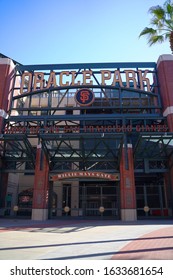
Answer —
85 240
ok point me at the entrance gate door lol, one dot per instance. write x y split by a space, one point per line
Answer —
83 197
99 199
154 197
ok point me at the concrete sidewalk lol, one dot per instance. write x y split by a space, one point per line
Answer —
85 239
156 245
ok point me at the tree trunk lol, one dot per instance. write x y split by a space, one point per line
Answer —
171 41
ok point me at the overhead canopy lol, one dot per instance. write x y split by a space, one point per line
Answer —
16 149
154 145
86 151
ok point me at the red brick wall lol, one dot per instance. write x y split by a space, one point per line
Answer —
127 181
165 76
41 182
6 80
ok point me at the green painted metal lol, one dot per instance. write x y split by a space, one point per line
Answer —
155 149
97 150
105 65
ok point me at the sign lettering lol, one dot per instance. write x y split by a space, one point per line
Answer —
85 174
35 81
86 129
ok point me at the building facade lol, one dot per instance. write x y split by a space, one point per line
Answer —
86 140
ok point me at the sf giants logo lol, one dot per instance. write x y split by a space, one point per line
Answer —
84 97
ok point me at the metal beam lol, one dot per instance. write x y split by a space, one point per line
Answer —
154 145
106 65
81 117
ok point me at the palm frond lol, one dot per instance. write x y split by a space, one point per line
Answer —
158 12
162 24
147 31
168 6
167 36
156 39
157 22
169 24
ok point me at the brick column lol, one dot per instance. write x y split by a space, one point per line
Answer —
41 187
165 77
127 185
6 80
3 188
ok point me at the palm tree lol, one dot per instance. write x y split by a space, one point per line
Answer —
162 22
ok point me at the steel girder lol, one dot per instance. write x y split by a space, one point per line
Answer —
154 151
108 96
84 150
106 65
154 145
16 149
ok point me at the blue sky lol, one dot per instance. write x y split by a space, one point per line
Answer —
69 31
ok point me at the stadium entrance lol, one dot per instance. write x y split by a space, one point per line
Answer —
86 140
87 198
